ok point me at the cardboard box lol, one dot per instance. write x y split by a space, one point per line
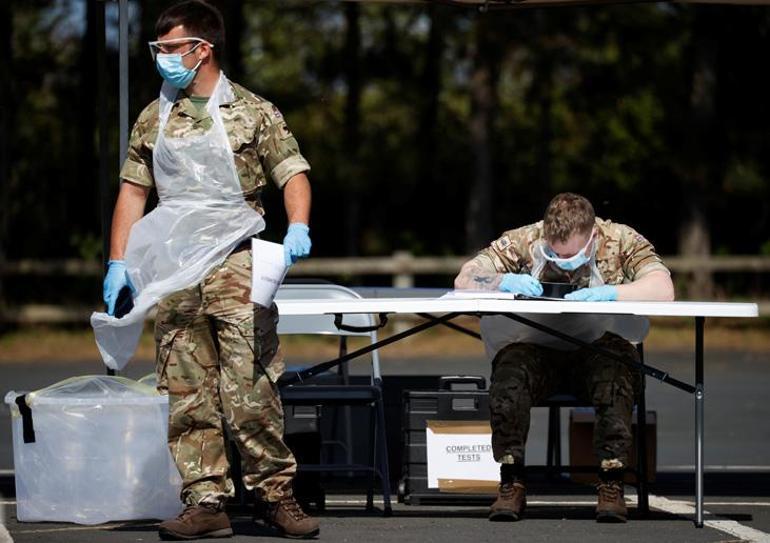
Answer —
581 449
459 457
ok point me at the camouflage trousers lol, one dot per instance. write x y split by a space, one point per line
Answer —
219 359
523 375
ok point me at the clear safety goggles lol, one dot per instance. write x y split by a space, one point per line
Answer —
167 47
580 257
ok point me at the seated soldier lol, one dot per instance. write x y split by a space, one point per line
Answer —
606 262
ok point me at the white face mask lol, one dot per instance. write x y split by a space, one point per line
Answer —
572 263
170 65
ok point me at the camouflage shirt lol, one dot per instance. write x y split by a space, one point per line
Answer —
261 141
622 255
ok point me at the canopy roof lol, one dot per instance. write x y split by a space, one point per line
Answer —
514 4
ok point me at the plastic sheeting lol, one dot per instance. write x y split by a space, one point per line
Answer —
100 453
200 219
499 331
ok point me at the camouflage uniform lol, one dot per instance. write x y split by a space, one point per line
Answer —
218 355
261 141
524 374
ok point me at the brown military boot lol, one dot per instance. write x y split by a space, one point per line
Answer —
611 506
290 520
510 503
196 522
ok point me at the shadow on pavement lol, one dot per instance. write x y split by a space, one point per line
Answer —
746 484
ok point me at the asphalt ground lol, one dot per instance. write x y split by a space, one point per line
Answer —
737 458
549 518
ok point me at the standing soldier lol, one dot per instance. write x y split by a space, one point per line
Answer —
606 262
208 145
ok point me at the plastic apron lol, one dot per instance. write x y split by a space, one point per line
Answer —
498 331
201 217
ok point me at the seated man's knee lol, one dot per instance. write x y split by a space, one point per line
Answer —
515 357
617 345
514 371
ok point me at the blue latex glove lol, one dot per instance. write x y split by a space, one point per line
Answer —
605 293
297 243
521 283
116 279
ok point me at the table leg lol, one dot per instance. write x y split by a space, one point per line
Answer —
699 416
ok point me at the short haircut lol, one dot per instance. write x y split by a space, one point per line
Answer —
200 19
568 214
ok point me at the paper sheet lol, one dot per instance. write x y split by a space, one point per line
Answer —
267 271
477 294
495 295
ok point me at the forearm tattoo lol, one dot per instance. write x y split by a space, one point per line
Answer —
474 277
483 280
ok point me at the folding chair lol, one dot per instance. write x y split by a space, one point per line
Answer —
341 394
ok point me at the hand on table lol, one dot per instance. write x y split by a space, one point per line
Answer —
521 283
605 293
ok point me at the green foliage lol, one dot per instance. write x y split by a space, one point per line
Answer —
764 249
596 99
88 246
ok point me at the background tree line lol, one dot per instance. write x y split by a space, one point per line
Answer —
429 128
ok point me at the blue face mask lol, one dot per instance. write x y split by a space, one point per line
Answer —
572 263
173 70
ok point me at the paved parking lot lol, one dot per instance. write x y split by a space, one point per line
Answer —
737 483
549 518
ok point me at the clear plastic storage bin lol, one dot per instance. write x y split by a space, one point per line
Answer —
99 452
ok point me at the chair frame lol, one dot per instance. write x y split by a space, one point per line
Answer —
344 394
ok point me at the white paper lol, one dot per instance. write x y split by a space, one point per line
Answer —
460 456
267 270
495 295
479 294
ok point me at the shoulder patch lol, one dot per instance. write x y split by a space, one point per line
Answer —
503 243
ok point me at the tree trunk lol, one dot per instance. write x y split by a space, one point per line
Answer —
7 110
351 130
543 87
85 129
703 151
427 183
234 35
483 91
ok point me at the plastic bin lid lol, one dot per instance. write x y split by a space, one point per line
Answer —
151 380
92 390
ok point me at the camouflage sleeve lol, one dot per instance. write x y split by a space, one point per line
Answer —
485 270
137 168
638 255
505 253
278 149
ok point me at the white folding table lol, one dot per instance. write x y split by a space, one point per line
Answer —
441 311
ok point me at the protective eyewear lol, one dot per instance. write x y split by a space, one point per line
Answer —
581 255
172 46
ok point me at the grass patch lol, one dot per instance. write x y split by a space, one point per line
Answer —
54 344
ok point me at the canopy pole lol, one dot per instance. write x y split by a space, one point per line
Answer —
101 107
123 67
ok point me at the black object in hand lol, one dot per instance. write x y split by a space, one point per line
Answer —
124 303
